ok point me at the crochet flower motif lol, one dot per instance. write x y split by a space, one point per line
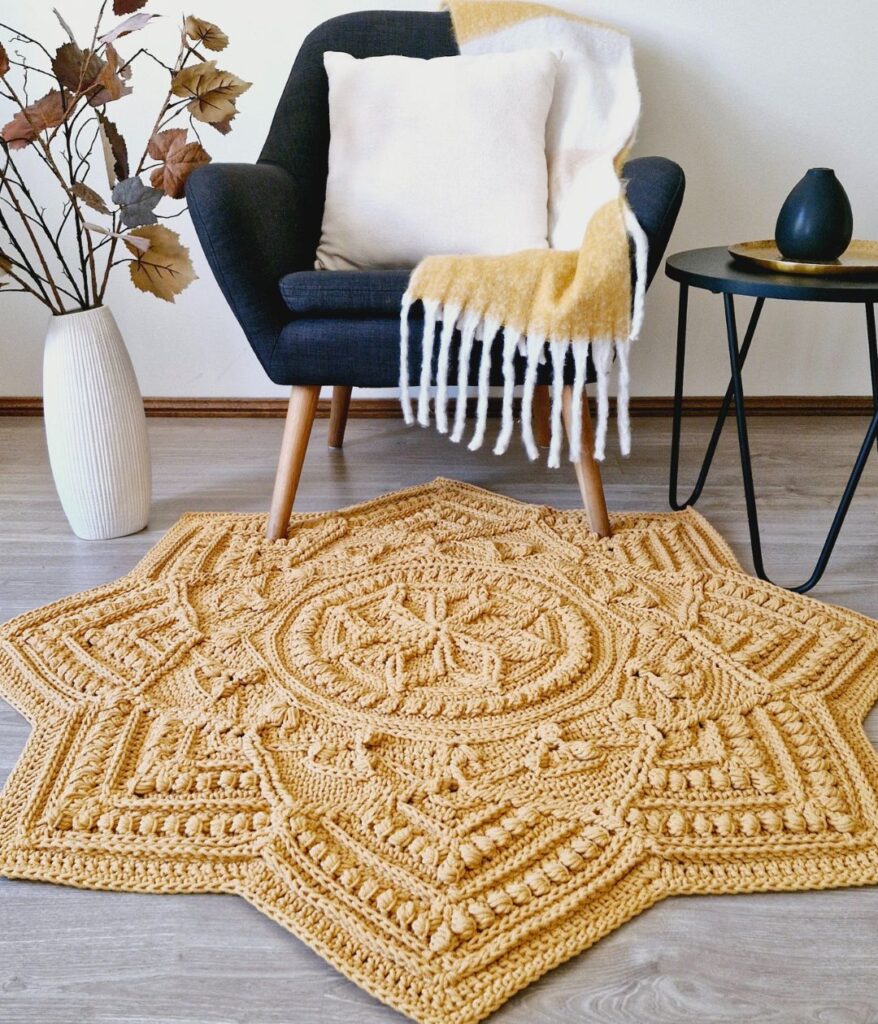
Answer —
442 635
447 739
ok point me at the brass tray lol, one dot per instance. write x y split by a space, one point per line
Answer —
860 258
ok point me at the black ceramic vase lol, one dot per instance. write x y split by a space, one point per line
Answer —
815 224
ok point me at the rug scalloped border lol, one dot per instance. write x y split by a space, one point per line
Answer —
784 689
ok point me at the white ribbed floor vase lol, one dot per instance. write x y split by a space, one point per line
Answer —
95 426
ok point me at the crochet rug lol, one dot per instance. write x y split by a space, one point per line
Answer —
447 739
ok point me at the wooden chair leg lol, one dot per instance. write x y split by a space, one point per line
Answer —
542 409
338 415
588 473
297 431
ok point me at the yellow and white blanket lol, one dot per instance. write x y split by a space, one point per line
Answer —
556 301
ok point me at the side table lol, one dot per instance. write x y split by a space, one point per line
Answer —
714 270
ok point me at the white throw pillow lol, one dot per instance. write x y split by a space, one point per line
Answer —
435 156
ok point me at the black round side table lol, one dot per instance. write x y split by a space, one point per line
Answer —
714 270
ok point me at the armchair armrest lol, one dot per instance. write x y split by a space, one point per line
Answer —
655 187
246 218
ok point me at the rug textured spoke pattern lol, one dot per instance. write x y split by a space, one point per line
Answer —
447 739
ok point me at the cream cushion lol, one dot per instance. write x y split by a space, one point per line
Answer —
435 156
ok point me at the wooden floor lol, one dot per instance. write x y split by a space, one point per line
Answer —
71 957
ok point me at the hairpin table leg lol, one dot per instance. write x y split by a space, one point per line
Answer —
728 398
746 466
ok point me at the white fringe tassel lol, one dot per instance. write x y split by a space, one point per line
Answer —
449 323
431 309
535 349
602 357
489 332
641 259
405 399
580 371
511 338
623 417
558 350
468 324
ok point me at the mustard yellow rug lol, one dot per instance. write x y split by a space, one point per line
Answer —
447 739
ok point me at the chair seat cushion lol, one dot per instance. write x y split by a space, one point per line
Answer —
364 352
342 293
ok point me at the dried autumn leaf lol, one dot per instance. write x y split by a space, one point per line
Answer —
110 84
213 91
164 269
47 112
89 197
210 36
115 150
224 127
136 202
76 69
126 27
5 267
121 7
4 61
124 68
162 142
179 159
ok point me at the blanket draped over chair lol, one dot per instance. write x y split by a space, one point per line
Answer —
553 302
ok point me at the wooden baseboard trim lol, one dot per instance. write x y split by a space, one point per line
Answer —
388 408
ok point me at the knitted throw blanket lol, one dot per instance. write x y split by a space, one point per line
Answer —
549 303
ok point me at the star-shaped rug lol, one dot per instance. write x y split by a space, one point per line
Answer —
447 739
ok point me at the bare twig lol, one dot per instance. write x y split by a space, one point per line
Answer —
143 50
25 82
36 246
175 107
25 287
25 262
64 25
31 67
66 210
19 36
37 277
49 159
29 216
193 124
192 50
77 219
54 239
85 157
98 21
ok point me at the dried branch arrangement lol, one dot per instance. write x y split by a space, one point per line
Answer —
66 261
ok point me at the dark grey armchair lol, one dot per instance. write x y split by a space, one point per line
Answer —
260 225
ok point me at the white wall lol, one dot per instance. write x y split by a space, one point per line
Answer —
745 94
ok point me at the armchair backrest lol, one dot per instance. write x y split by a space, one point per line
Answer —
298 139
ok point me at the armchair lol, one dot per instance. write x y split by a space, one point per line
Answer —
260 226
